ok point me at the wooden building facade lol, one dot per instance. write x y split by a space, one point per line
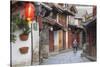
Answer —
90 26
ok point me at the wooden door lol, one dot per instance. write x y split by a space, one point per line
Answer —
70 39
60 40
51 41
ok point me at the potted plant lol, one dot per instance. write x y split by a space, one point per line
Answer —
23 50
26 31
18 23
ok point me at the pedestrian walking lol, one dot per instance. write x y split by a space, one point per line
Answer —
75 46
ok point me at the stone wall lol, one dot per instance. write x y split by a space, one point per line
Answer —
44 42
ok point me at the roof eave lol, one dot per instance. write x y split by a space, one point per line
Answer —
89 21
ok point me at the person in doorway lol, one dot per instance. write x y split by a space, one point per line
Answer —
75 46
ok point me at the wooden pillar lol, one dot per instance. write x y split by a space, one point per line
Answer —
64 40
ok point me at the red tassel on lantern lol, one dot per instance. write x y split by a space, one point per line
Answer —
29 11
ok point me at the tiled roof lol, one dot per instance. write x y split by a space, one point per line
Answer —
63 10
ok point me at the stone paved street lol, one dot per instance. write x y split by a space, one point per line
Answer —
68 57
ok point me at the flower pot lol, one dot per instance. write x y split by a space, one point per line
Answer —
23 50
23 37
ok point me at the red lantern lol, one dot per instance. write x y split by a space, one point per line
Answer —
29 11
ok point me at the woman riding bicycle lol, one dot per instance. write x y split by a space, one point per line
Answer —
75 46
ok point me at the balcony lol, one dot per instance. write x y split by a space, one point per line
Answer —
53 22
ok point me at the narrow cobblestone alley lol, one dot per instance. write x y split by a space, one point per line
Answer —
44 33
68 57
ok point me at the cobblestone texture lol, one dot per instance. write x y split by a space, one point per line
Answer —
64 58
